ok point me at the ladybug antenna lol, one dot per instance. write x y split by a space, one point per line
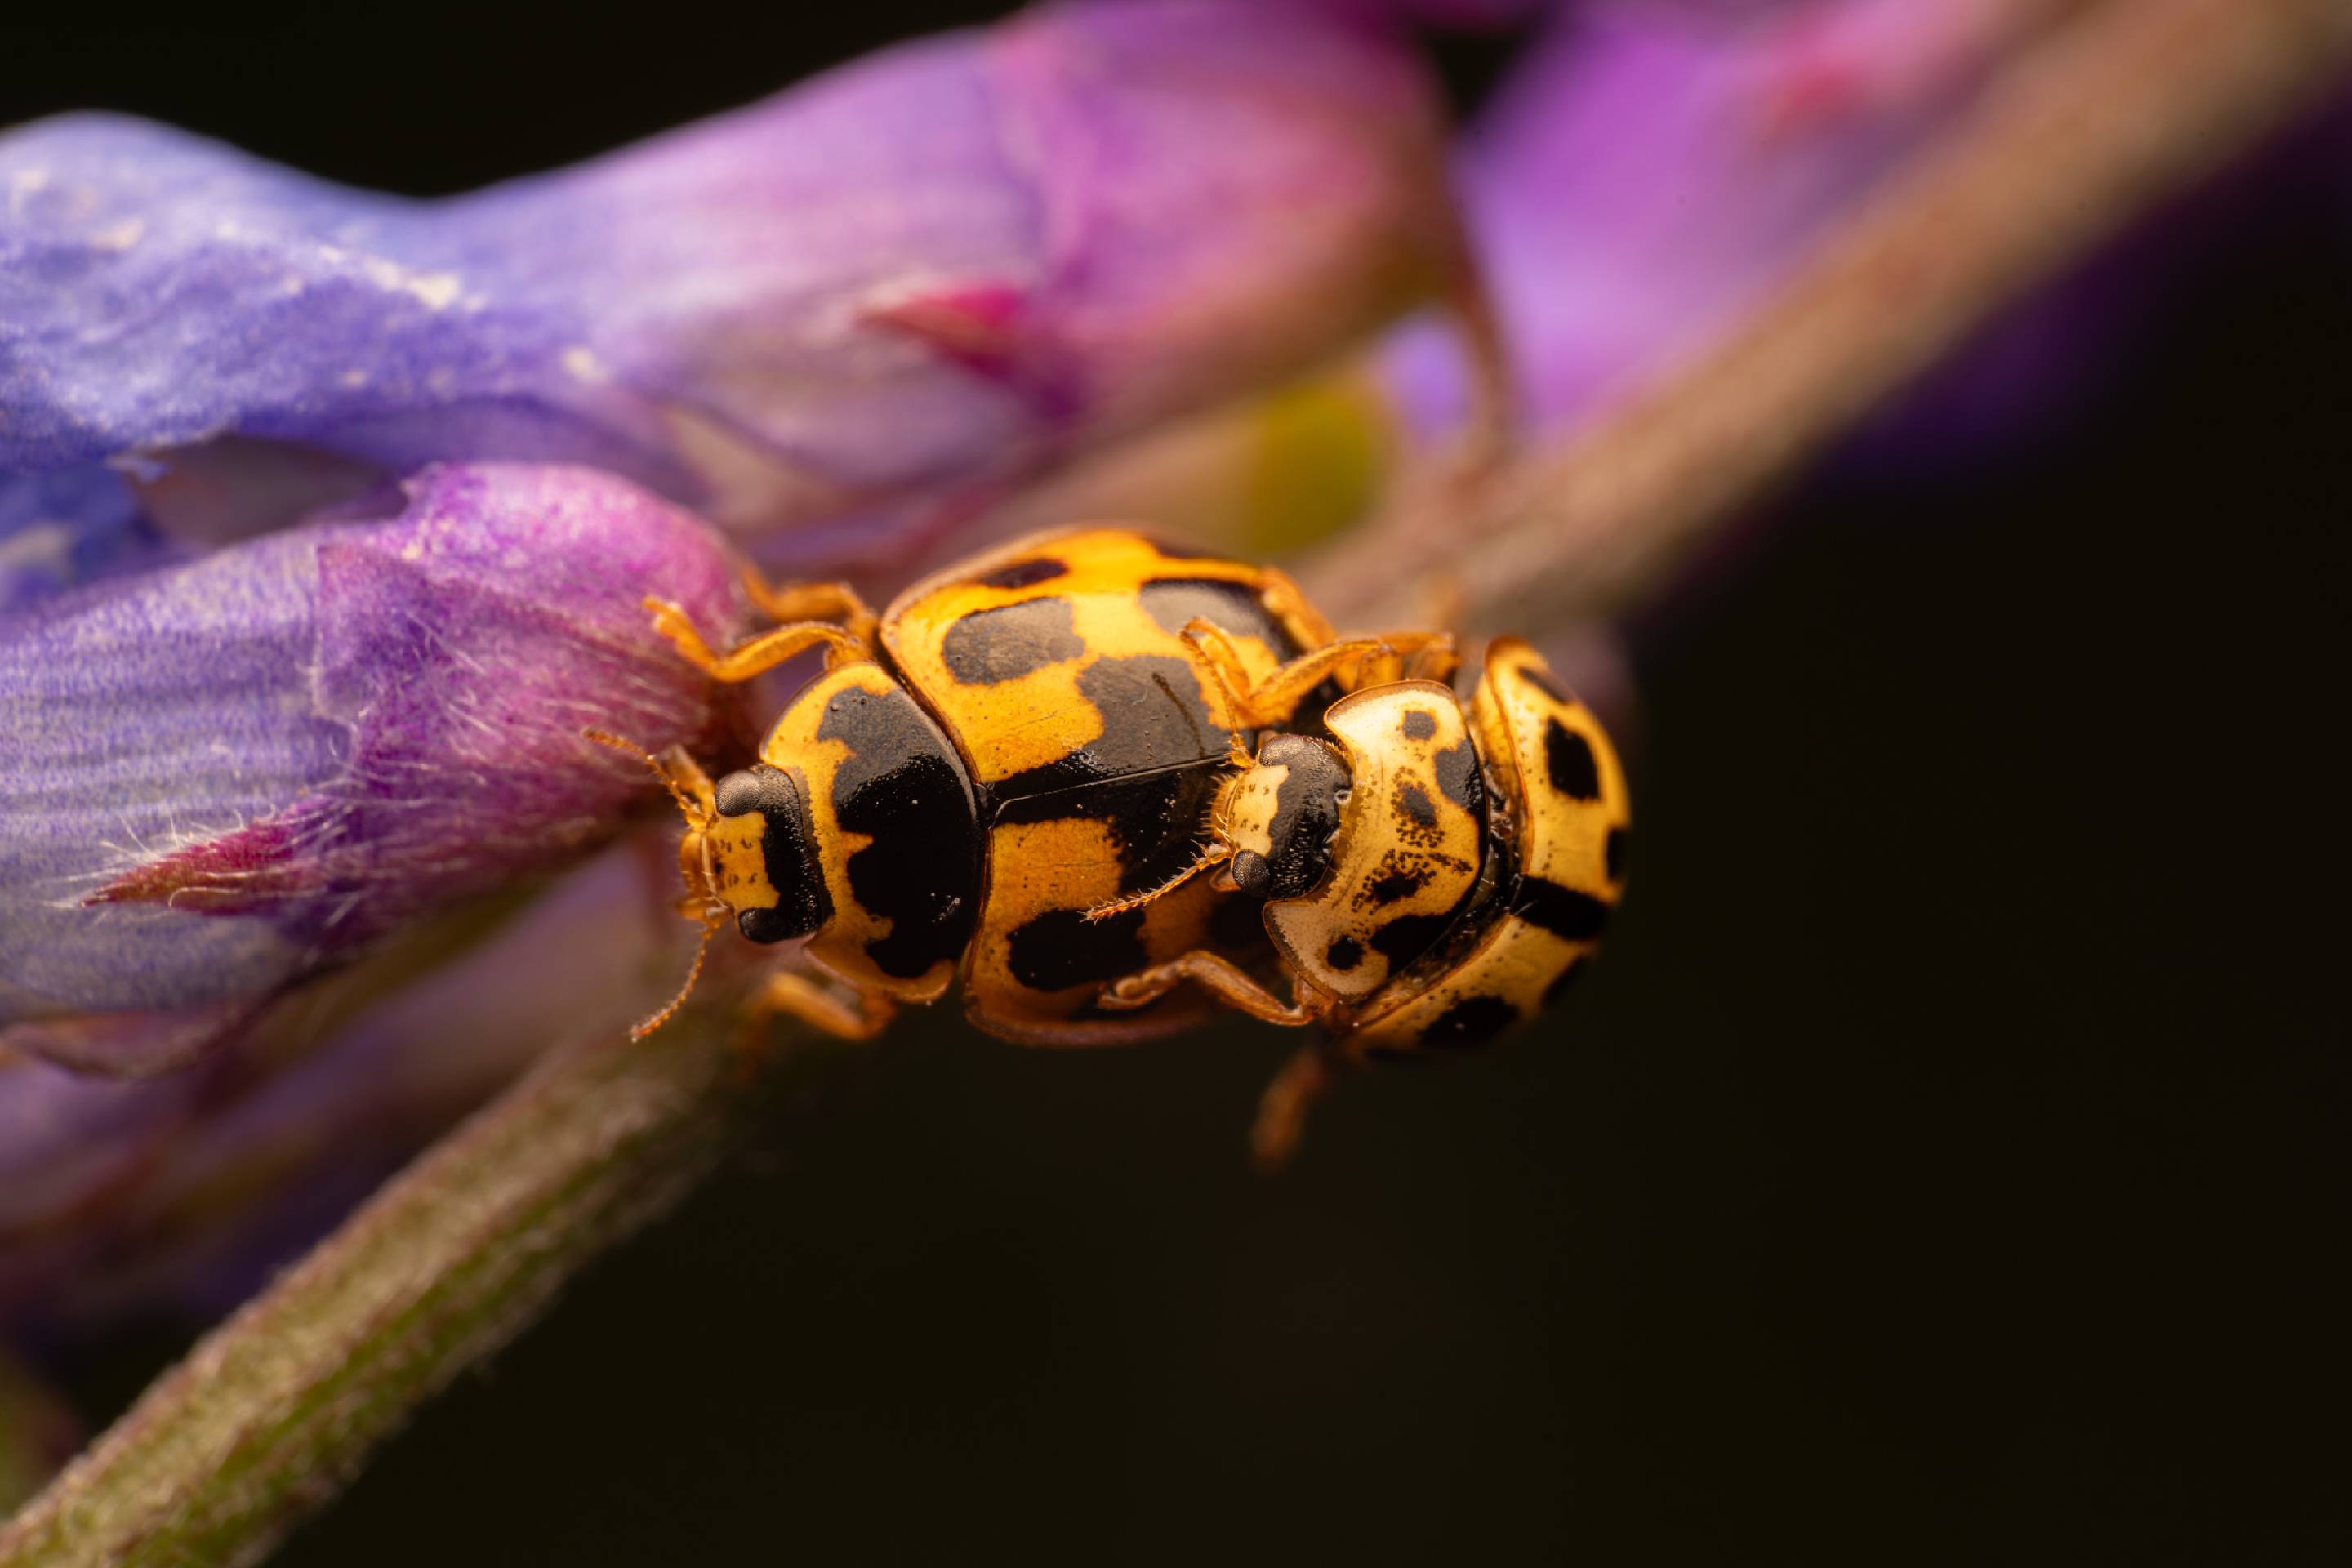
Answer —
693 973
690 788
1217 854
696 811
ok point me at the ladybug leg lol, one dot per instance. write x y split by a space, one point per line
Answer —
1409 656
755 656
1219 978
792 602
1281 1109
1258 705
791 995
1435 658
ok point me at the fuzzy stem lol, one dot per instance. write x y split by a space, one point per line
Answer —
276 1409
2128 102
282 1404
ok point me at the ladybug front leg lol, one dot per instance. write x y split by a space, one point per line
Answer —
791 602
1281 1109
756 656
790 995
1272 702
1217 976
1355 662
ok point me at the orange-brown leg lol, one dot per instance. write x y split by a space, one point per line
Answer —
1281 1109
755 656
1437 659
792 994
1356 662
1411 656
1213 975
1256 705
789 602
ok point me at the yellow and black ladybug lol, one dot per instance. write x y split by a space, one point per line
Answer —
1015 774
1430 879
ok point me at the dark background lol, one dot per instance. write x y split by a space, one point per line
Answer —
1944 1165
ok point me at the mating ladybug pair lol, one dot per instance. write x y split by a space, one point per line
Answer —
1108 783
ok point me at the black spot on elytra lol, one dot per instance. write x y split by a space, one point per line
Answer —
1419 724
1562 981
1061 948
1232 607
902 785
1413 804
1471 1022
1540 679
1563 912
1613 851
1153 718
1397 882
989 647
1568 756
1024 574
1456 768
1407 937
1344 955
788 848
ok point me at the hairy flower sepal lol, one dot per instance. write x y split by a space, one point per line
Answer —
224 776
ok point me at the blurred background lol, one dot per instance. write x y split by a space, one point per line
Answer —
1943 1165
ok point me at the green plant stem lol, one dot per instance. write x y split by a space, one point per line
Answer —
276 1409
271 1413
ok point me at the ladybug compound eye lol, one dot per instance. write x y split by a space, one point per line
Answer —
761 855
1282 814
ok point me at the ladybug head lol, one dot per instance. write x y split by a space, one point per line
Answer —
758 856
1366 847
1278 816
748 855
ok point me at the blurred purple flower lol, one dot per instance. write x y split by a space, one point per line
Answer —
186 1186
940 266
1648 170
222 775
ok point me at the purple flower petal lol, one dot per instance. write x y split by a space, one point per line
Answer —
221 775
61 527
949 262
1650 171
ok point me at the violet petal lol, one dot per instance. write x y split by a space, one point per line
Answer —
952 260
1649 169
263 759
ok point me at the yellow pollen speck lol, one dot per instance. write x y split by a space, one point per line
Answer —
435 289
580 362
